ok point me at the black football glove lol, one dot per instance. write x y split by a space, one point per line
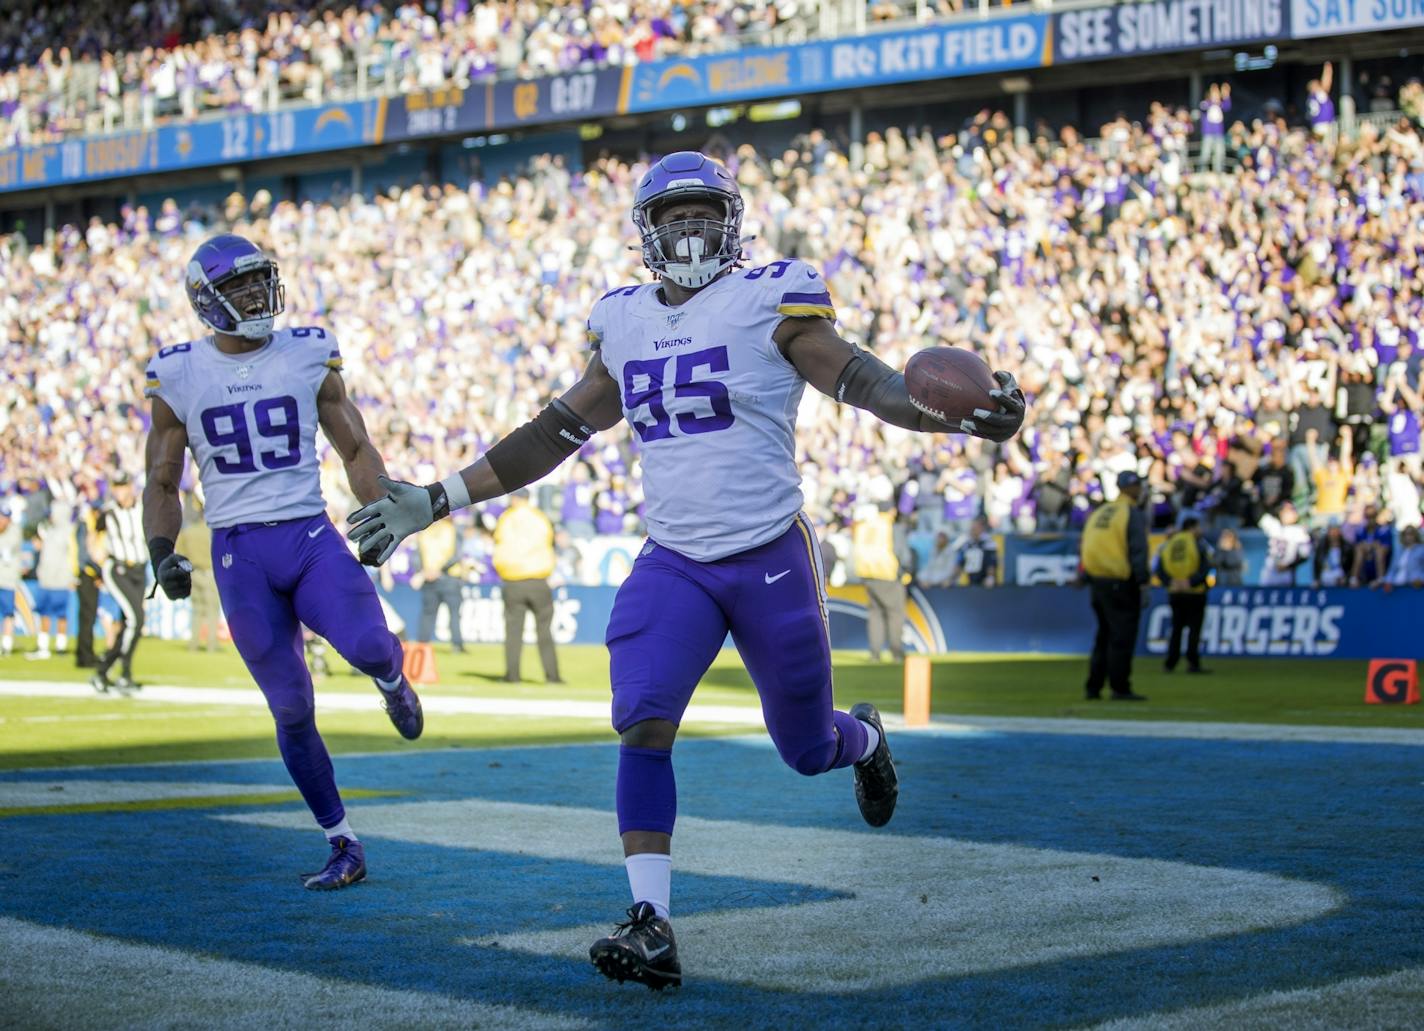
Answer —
1001 425
175 576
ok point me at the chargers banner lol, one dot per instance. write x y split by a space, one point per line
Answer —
1000 44
1240 622
1342 17
1154 26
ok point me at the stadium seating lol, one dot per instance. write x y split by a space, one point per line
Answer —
1153 316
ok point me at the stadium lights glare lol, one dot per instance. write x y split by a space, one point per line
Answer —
777 112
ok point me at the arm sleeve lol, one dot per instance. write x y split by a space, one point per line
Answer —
1137 545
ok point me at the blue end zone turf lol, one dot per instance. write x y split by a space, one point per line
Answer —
1346 815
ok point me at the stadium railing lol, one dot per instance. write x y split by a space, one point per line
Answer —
373 73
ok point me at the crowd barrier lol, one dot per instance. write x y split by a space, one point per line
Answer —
1240 621
1035 614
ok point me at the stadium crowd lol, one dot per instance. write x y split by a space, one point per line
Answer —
1248 342
130 66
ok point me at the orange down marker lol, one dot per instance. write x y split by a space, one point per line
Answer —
419 666
917 690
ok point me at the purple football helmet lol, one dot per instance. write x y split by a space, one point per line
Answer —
691 252
224 294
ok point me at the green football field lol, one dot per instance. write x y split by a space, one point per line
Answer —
38 730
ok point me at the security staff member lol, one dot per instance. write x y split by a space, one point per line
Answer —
1114 562
524 560
876 549
125 571
1182 567
440 580
89 556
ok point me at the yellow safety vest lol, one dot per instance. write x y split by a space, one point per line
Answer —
873 547
438 545
523 544
1105 542
1181 559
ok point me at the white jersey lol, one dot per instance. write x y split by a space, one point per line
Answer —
55 568
713 403
1286 546
251 421
12 545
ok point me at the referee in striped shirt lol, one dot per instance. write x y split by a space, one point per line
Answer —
125 569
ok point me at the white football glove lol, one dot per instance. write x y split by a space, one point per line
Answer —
378 528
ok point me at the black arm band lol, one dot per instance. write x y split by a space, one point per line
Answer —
867 382
535 449
159 548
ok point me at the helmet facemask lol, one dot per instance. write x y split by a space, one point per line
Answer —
243 303
691 252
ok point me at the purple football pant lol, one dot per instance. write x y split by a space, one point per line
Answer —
274 577
672 615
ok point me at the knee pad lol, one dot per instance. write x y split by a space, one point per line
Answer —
814 760
293 714
373 652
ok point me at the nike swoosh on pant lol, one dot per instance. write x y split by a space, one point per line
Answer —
772 579
316 531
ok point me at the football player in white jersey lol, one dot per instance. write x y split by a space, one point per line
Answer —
246 401
707 364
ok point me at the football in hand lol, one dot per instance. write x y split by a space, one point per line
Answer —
949 383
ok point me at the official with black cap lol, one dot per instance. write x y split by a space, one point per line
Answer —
1114 562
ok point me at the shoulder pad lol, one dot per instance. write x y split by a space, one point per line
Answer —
322 343
795 288
622 291
165 368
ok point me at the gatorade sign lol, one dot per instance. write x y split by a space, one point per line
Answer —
1392 682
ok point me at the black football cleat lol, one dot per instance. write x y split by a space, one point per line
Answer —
1127 696
877 785
642 949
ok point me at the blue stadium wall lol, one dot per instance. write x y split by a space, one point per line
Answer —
1241 622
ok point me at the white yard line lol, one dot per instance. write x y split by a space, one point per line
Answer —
697 714
1179 729
366 701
